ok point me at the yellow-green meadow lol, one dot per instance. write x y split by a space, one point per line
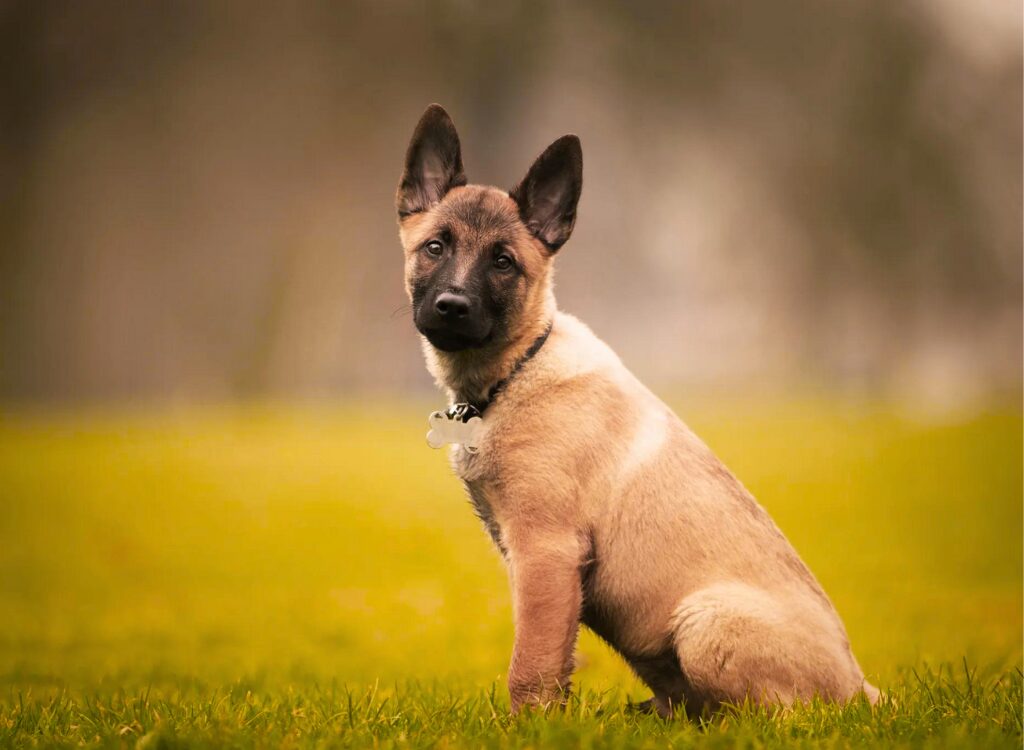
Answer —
306 575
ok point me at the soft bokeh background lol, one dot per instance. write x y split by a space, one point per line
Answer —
197 197
800 224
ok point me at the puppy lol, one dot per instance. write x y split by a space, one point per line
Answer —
606 508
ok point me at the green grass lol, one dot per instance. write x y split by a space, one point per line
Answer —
307 576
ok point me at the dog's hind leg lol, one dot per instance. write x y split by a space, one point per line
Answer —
662 675
737 642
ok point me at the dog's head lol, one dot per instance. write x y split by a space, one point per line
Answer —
478 259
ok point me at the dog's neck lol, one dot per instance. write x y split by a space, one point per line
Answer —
469 375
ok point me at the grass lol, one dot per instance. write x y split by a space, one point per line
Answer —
300 576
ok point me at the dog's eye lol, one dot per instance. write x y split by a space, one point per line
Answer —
503 262
435 248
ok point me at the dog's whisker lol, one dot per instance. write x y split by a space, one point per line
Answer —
401 310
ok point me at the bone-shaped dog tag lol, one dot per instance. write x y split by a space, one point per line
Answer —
448 427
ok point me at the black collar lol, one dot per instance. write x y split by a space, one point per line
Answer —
465 410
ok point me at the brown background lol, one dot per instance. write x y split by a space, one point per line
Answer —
196 198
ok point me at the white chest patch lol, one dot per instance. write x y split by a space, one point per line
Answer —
648 440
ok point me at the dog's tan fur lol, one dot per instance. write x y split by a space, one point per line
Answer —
609 511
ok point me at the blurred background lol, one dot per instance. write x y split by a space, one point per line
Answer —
212 404
196 199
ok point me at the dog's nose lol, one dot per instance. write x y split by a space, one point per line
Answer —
451 305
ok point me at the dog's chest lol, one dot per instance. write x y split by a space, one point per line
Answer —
475 470
483 500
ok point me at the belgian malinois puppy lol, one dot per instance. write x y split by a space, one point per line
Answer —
606 508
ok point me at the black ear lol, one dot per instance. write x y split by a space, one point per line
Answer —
548 195
433 163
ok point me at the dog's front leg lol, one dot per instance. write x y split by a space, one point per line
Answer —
546 599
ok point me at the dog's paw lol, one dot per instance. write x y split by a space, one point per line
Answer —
651 706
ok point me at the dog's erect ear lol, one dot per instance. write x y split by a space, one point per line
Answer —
433 163
548 195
